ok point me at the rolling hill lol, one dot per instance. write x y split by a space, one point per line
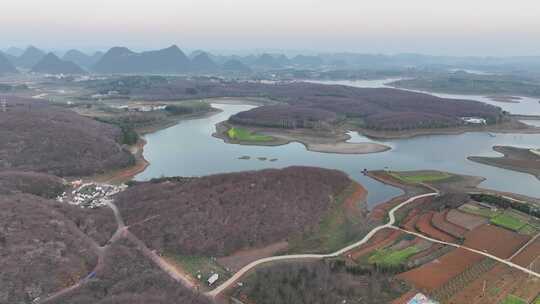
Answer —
44 138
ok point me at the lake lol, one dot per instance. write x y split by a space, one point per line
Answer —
189 149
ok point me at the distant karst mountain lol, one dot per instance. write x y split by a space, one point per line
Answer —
82 59
51 64
14 51
123 60
307 61
203 63
234 65
30 57
6 66
269 61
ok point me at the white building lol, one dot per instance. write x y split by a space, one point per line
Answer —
213 278
474 120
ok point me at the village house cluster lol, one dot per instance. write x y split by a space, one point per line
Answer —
89 195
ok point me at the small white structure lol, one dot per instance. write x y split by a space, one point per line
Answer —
213 278
420 298
474 120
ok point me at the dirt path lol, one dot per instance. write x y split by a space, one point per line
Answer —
524 247
506 262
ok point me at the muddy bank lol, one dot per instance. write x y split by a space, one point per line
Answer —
316 141
516 159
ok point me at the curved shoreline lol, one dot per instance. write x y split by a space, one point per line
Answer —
323 144
515 159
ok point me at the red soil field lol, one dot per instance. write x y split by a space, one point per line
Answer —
352 203
529 254
494 240
426 252
499 282
409 222
439 221
439 271
424 226
465 220
380 239
405 298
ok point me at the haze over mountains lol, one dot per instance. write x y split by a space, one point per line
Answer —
51 64
172 60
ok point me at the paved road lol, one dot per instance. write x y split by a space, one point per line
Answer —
390 225
364 240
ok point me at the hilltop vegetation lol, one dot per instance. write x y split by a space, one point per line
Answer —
130 278
44 185
309 105
468 83
42 250
318 283
41 137
219 214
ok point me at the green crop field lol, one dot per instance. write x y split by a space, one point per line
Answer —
510 299
245 135
420 176
484 212
507 221
387 257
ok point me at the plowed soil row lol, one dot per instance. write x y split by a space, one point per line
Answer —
424 226
529 254
494 285
495 240
439 221
439 271
465 220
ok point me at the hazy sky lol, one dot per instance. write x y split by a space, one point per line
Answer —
459 27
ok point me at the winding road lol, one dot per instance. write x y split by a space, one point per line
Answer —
390 225
122 231
215 292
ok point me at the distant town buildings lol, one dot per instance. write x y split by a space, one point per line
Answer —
89 195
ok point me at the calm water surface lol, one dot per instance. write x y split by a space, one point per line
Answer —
188 149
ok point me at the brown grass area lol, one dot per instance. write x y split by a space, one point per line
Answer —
439 271
424 226
239 259
494 240
465 220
